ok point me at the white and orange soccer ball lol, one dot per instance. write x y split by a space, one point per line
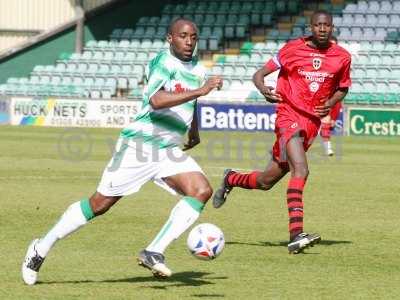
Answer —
206 241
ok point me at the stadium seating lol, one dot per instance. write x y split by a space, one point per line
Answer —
257 28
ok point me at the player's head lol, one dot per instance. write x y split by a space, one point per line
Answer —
182 37
321 28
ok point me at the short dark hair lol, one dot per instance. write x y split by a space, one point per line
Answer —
321 12
176 20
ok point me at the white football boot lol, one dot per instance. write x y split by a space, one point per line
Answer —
31 264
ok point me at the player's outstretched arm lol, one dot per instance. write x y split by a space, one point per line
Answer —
324 109
266 91
164 99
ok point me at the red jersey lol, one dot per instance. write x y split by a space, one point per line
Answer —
309 76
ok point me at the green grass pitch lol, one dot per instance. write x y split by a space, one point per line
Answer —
352 200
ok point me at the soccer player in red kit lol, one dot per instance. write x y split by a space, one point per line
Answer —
314 75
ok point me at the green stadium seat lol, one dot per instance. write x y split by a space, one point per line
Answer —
363 98
325 6
266 19
218 31
390 48
143 21
129 56
217 70
243 59
219 59
273 34
392 36
128 33
146 44
116 34
280 7
198 19
247 7
240 72
179 9
395 73
371 73
391 98
284 35
337 8
386 60
361 61
97 56
14 80
213 42
396 60
365 47
384 73
86 56
377 48
168 9
119 56
108 56
138 69
293 7
142 56
270 8
189 8
227 59
255 17
351 98
157 45
257 58
234 8
106 93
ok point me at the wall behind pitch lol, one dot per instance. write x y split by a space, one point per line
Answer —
34 14
123 14
40 14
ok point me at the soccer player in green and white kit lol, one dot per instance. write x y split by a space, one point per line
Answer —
148 150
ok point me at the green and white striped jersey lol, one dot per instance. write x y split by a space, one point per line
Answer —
165 128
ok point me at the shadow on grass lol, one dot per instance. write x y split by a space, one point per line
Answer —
176 280
284 244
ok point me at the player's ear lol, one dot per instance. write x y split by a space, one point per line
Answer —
169 38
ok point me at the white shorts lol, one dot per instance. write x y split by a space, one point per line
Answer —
130 168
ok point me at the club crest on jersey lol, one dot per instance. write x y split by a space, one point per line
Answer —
314 86
316 62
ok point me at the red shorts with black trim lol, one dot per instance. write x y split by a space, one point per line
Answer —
292 122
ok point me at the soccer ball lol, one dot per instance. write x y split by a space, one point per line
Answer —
206 241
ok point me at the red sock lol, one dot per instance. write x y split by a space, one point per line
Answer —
326 131
295 205
246 181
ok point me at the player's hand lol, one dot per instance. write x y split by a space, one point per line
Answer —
323 109
211 83
270 95
193 140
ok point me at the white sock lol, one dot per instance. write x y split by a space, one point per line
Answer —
327 145
182 216
76 215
